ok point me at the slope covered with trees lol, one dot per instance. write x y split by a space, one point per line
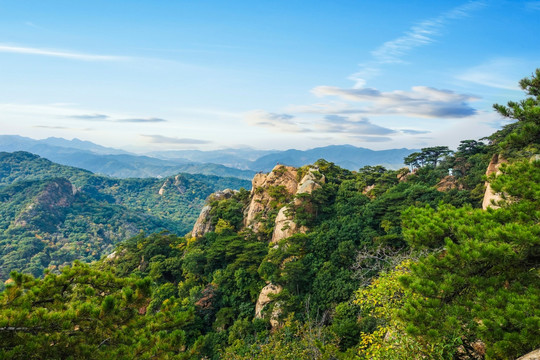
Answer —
51 215
382 264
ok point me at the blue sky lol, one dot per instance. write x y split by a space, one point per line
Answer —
157 75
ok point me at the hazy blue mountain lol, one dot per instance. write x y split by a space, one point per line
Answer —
347 156
240 163
113 162
12 143
236 158
81 145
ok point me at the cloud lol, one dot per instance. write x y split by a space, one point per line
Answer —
414 132
146 120
51 127
371 138
160 139
342 124
421 101
31 24
273 121
66 54
533 5
423 33
499 73
101 117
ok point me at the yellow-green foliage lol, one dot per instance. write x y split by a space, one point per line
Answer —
382 299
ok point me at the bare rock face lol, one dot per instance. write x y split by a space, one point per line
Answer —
403 174
491 198
284 225
367 189
264 299
203 224
165 185
281 175
533 355
178 184
448 183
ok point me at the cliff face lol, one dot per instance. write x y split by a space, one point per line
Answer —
491 198
280 185
178 183
204 224
285 226
282 178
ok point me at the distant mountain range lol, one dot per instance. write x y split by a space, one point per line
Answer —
114 162
240 163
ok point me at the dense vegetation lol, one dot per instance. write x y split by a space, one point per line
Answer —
395 265
51 215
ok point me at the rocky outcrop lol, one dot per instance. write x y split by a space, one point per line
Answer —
491 198
282 176
404 173
447 183
284 224
285 227
178 183
204 224
533 355
367 189
264 299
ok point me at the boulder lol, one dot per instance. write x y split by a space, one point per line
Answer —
264 299
533 355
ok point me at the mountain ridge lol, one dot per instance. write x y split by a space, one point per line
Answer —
241 163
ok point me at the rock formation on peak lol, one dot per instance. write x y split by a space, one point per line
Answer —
281 177
204 223
284 225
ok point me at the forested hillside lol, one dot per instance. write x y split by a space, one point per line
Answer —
318 262
52 214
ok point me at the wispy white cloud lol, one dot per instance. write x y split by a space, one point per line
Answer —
51 127
422 33
364 138
273 121
420 101
533 5
351 125
160 139
31 24
142 120
103 117
100 117
500 73
414 132
66 54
